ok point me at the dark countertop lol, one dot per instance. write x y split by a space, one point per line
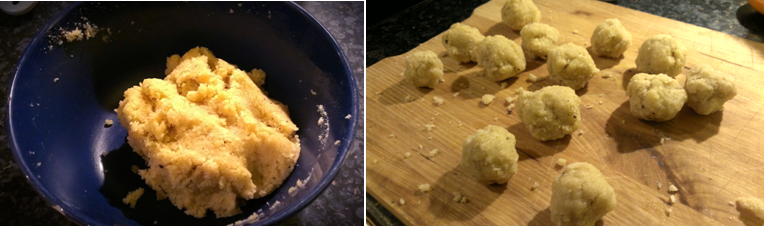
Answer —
340 204
407 29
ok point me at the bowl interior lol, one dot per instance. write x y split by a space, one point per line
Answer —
62 94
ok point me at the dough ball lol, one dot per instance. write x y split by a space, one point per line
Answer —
661 54
538 39
209 135
549 113
518 13
610 39
655 97
489 155
571 65
580 196
460 41
423 69
500 57
751 210
708 89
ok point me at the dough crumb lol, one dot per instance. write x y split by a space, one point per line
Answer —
668 212
673 188
437 100
313 92
230 10
292 189
589 106
337 142
374 161
433 153
606 74
561 162
575 31
672 199
455 94
659 185
55 80
408 154
503 85
348 116
108 122
391 135
731 203
275 204
429 127
487 98
463 200
402 202
408 98
534 186
73 35
133 197
510 99
424 188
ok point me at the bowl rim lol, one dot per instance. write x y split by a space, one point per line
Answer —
84 219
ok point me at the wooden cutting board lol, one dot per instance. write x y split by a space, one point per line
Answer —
712 159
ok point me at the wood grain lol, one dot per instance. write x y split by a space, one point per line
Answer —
712 159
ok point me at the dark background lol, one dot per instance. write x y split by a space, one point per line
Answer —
394 32
340 204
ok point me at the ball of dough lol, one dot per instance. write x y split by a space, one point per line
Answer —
655 97
423 69
571 65
489 155
460 41
661 54
610 39
538 39
580 196
500 57
549 113
708 89
518 13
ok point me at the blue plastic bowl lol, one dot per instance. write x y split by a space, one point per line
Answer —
57 130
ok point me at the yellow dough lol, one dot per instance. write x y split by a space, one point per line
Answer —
518 13
610 39
423 69
751 210
460 41
500 57
571 65
209 134
538 39
549 113
655 97
708 89
661 54
489 155
580 196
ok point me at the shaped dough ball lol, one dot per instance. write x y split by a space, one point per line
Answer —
549 113
580 196
489 155
571 65
610 39
708 89
423 69
500 57
661 54
655 97
538 39
460 41
518 13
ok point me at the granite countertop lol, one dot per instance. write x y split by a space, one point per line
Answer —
407 29
340 204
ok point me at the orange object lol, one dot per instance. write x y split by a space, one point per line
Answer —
758 5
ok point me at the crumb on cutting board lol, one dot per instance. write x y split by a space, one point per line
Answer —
487 98
424 188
